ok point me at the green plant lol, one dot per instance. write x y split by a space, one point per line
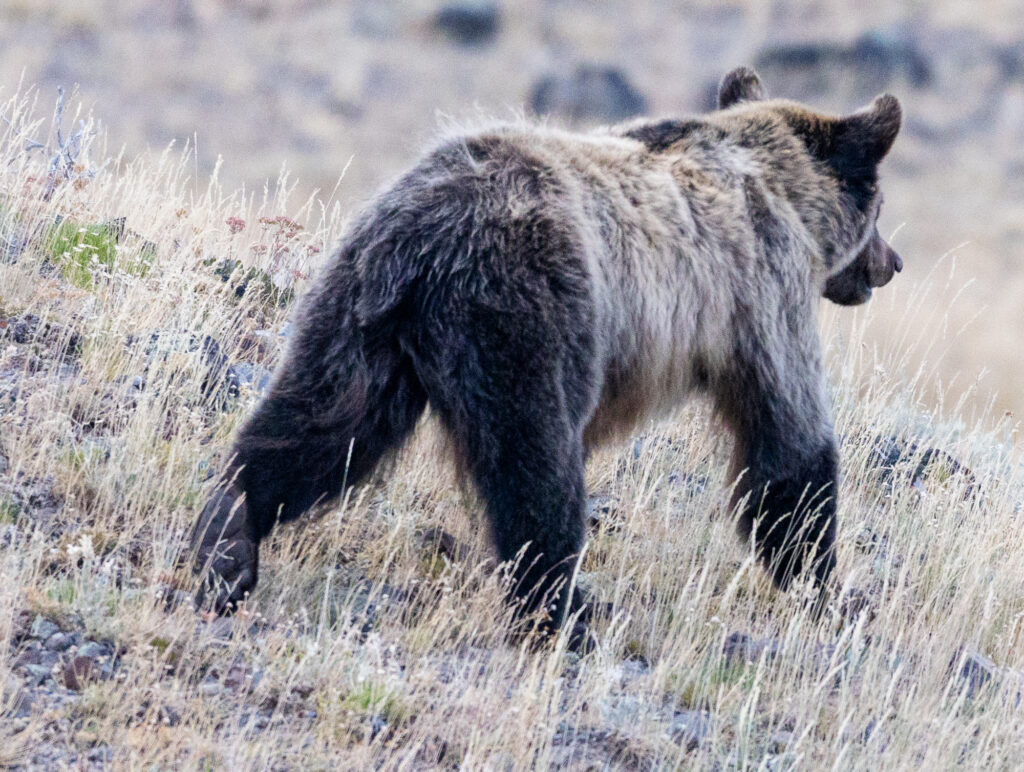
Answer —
83 252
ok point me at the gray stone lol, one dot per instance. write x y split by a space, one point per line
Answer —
592 93
10 535
162 344
243 376
210 688
102 753
29 655
977 670
36 674
43 628
59 642
781 741
856 69
691 728
168 715
221 627
94 650
470 22
174 599
599 507
740 647
19 701
20 329
12 245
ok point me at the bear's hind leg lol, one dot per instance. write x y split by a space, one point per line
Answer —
511 400
294 451
534 491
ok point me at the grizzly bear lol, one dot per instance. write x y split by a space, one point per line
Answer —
544 291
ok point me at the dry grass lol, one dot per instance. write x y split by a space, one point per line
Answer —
367 646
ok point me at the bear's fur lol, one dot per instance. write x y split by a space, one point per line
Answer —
545 291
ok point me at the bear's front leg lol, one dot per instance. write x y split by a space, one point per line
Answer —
792 515
785 463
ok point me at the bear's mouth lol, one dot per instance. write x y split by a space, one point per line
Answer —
848 289
874 267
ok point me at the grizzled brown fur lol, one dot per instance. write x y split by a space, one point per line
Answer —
545 291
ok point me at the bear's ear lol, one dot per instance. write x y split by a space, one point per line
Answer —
740 85
861 140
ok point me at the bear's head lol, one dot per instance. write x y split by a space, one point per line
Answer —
847 150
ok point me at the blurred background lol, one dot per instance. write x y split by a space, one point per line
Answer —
363 85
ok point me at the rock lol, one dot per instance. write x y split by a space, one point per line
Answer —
20 329
632 670
102 754
12 243
277 288
174 599
159 14
470 22
205 350
740 647
438 541
17 701
221 627
850 71
115 227
210 687
781 741
691 728
977 670
892 459
163 343
236 676
59 642
22 624
168 715
29 655
692 484
33 501
36 674
855 602
598 509
94 650
243 376
43 628
852 734
10 536
591 93
27 328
